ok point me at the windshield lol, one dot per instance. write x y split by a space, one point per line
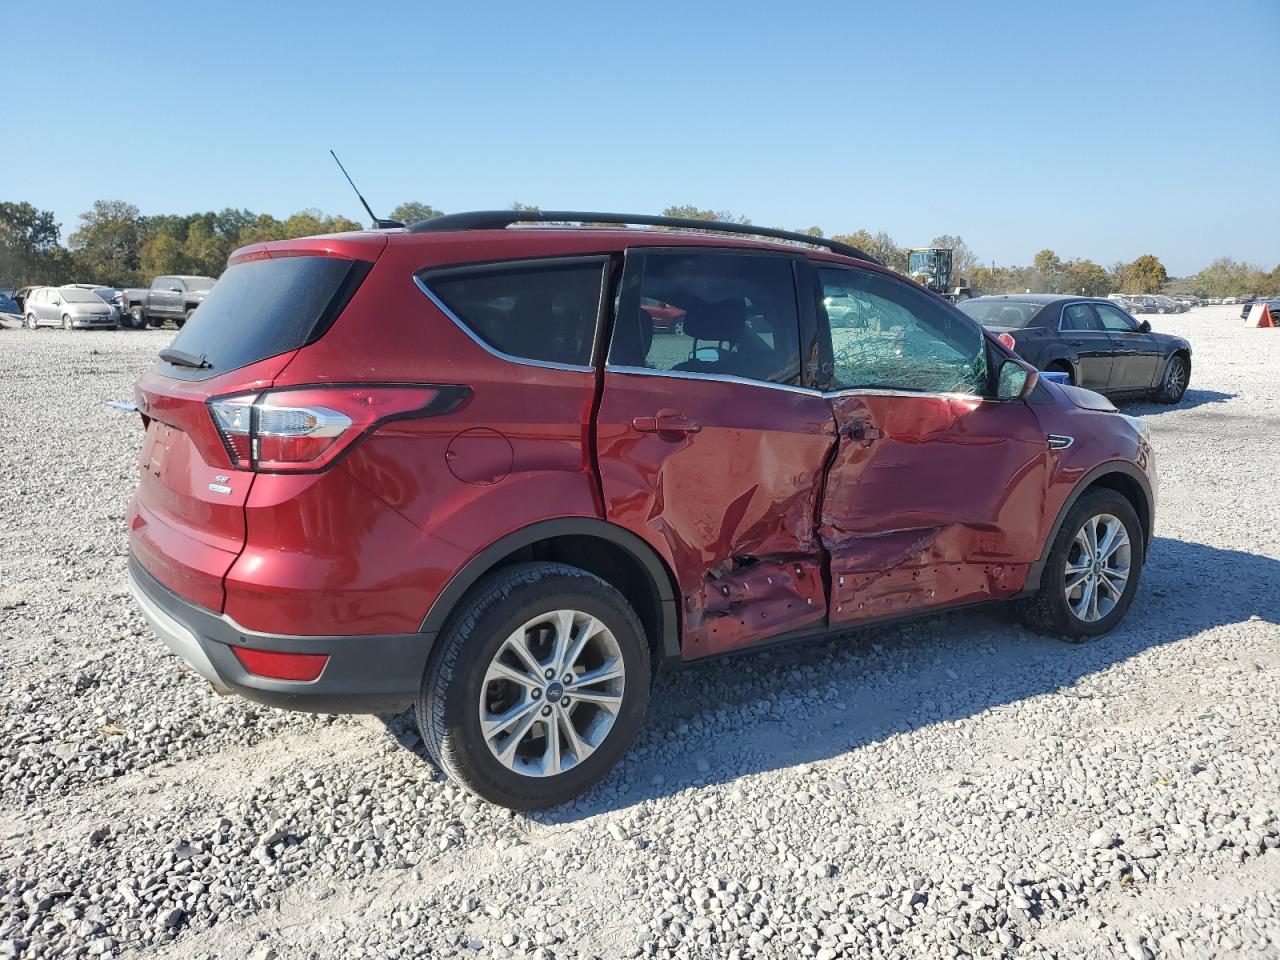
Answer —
76 295
1001 313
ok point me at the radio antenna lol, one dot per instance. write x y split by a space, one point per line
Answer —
378 223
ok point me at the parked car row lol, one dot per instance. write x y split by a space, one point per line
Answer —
1153 302
74 305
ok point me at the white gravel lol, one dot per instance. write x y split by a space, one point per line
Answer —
957 787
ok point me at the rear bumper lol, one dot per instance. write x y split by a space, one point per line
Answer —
379 673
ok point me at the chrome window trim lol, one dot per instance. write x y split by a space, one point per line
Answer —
716 377
792 388
1062 315
602 260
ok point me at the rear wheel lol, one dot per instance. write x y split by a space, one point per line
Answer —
537 687
1093 569
1177 374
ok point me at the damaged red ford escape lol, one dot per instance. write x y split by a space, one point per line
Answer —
463 466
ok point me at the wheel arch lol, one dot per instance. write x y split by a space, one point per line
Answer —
612 553
1066 364
1118 475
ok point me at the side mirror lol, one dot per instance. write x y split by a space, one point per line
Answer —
1144 326
1013 380
175 289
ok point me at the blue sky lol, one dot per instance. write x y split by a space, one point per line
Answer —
1099 129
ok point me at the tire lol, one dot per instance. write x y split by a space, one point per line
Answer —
1049 610
1177 375
31 322
185 317
138 318
458 685
66 321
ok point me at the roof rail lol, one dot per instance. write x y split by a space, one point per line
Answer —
500 219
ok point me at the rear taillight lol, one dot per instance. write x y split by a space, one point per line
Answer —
305 429
1006 340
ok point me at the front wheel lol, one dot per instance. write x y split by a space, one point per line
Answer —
1093 570
138 318
537 687
31 321
66 321
1177 375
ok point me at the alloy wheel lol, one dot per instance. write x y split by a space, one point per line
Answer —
551 693
1097 568
1177 378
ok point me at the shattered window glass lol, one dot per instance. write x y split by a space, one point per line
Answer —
886 335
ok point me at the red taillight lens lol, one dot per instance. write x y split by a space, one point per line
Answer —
281 666
1006 340
308 428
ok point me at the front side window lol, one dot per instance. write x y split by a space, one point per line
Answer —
710 313
1113 320
1079 316
546 312
886 335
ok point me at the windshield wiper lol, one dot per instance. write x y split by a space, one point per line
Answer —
181 358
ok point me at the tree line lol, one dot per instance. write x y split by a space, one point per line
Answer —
114 244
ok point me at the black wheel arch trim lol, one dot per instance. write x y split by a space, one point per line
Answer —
1122 467
668 641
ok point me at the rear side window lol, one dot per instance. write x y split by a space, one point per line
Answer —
1079 316
724 314
546 312
266 307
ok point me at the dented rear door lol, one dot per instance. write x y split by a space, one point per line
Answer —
710 450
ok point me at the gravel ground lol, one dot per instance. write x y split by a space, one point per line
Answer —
957 787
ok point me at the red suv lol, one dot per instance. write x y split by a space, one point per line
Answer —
452 466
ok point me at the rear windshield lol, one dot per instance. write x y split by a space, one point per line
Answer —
1001 313
266 307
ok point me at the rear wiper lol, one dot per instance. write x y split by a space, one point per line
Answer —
183 359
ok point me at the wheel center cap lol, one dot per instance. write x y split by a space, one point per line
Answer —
554 692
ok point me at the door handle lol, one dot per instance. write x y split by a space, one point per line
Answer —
1076 343
864 432
668 422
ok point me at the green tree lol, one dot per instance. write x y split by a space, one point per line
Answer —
1086 278
861 239
809 231
1146 274
690 212
963 260
161 254
29 250
414 211
1049 266
107 247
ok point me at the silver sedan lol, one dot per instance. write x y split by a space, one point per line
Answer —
67 307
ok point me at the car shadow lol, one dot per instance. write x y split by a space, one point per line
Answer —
717 721
1191 399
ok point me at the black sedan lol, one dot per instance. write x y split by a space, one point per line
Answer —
1093 341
